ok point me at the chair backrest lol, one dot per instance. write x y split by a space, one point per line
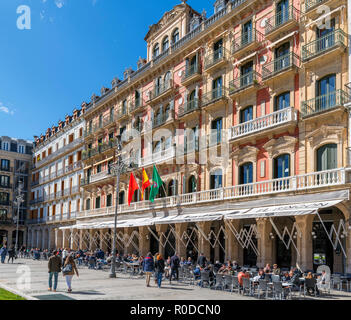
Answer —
228 280
275 278
262 284
267 277
310 283
278 286
236 281
219 278
336 278
246 282
205 276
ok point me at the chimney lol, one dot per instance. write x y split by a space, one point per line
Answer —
67 119
75 114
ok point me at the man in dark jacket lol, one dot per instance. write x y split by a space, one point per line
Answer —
54 266
201 261
175 262
12 254
148 267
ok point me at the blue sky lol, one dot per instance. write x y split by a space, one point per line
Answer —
74 47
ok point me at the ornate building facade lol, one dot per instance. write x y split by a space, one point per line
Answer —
244 115
15 165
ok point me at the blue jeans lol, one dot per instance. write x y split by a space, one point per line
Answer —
55 274
3 259
159 279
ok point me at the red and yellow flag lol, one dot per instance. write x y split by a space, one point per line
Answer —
145 183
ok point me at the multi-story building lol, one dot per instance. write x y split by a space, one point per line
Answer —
243 113
56 177
15 160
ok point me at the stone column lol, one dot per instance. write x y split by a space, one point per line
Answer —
144 241
103 243
180 229
264 242
51 243
234 251
43 238
305 241
128 247
73 244
161 230
92 242
204 245
59 238
82 242
38 239
65 238
32 238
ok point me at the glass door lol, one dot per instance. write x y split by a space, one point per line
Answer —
282 14
326 93
282 60
325 37
217 88
247 74
246 33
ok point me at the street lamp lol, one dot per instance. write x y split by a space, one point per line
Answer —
19 200
117 169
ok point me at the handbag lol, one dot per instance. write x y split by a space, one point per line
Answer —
67 269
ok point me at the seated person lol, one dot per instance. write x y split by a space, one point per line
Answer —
235 266
311 289
286 277
197 272
218 267
189 262
260 276
182 261
276 270
323 281
243 274
267 268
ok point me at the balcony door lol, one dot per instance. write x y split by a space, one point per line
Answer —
326 93
282 101
246 33
246 74
217 86
282 167
218 50
216 179
327 157
282 12
246 173
282 60
216 134
325 37
246 114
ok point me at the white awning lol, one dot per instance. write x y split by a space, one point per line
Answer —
283 211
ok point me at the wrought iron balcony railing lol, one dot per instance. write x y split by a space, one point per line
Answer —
243 82
189 106
323 44
324 103
280 64
246 39
281 18
215 57
135 105
159 90
213 96
190 71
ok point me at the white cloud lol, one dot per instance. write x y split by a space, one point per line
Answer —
59 3
6 110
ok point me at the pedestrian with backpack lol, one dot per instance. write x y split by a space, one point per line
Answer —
69 269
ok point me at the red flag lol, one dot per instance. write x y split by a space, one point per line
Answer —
133 186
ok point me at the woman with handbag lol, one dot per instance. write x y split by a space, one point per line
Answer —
68 271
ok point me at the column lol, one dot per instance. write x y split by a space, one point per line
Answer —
32 238
52 238
43 239
74 244
144 241
82 242
9 238
264 242
181 249
25 237
128 247
305 241
234 251
92 242
59 238
161 230
65 239
204 245
103 243
38 238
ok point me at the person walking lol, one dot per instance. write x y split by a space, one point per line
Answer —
54 266
3 253
12 254
148 267
175 263
64 256
69 269
160 269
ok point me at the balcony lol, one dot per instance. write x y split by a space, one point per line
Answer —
99 176
282 22
309 181
34 183
87 154
215 59
248 41
108 120
244 83
122 113
191 146
191 74
324 103
214 97
6 186
161 91
159 157
6 169
269 121
162 119
311 4
36 201
189 107
135 105
333 42
289 62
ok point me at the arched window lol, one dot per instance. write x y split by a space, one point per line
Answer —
165 44
156 50
175 36
192 95
246 173
216 179
98 203
282 101
192 187
87 204
327 158
281 167
246 114
172 188
121 197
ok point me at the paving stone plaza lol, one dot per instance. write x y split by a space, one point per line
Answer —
95 285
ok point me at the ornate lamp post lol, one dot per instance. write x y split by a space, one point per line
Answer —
19 200
117 169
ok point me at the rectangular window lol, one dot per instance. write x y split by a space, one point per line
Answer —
21 149
5 165
71 138
4 198
109 200
4 181
97 203
5 146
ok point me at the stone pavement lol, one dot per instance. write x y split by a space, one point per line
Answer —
95 285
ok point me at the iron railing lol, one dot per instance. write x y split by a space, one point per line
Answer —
189 106
281 18
215 57
280 64
244 82
246 39
190 71
213 96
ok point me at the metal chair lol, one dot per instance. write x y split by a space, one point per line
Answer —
228 283
246 285
310 284
278 290
336 281
275 278
219 281
236 284
262 288
205 277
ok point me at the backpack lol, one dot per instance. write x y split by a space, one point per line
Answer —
67 269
